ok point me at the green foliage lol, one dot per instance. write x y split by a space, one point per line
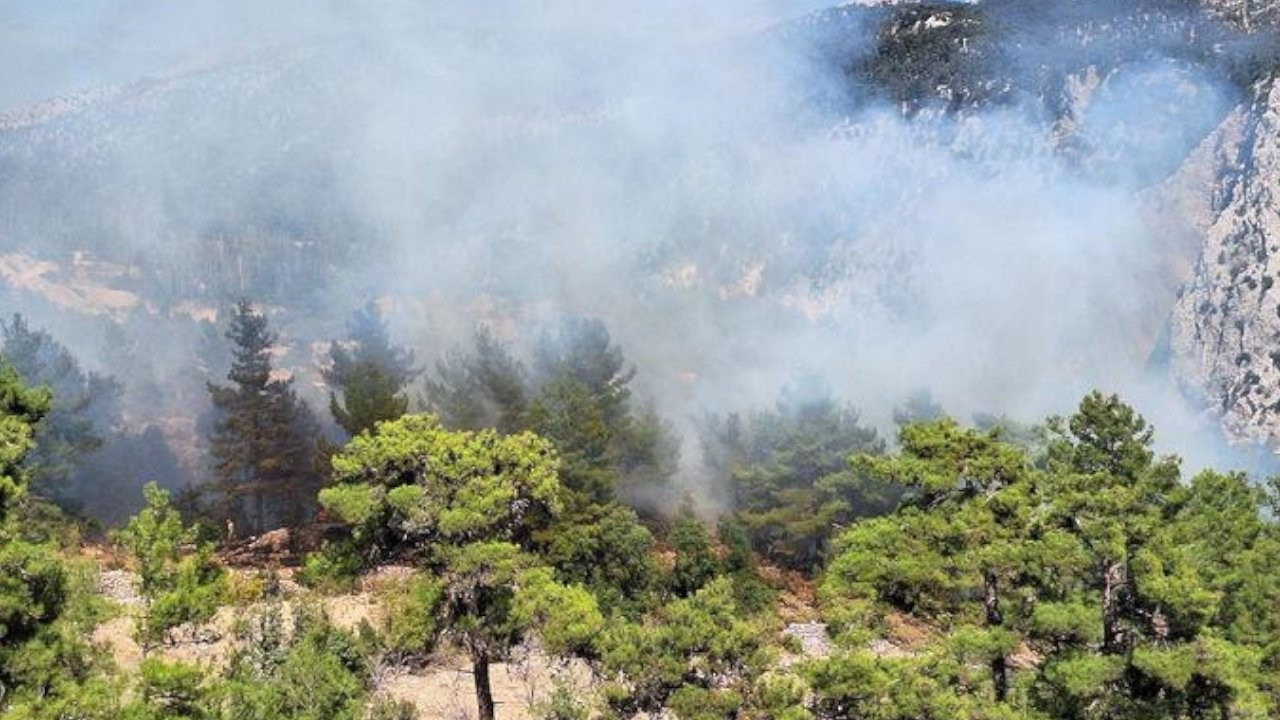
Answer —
370 373
577 396
606 549
415 481
84 408
46 668
488 388
172 691
468 505
695 563
384 708
682 653
697 703
567 412
413 611
566 616
317 673
1136 595
788 475
20 410
264 441
33 591
334 568
751 592
177 587
779 695
562 703
198 587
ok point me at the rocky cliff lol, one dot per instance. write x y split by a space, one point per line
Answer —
1225 326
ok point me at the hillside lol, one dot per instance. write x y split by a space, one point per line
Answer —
882 360
153 203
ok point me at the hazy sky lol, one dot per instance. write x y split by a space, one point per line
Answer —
56 47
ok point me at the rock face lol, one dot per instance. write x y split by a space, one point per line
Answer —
1225 328
1248 14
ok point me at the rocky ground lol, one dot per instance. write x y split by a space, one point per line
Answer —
441 689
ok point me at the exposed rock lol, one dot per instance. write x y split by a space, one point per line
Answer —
120 586
1225 329
1248 14
813 637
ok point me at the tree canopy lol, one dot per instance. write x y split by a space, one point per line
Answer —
1089 584
467 505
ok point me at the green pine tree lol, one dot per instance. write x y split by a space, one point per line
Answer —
369 373
265 439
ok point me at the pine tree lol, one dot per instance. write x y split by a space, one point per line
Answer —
583 403
578 396
695 561
486 388
788 475
370 374
264 442
86 406
468 504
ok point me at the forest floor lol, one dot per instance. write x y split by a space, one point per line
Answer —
441 688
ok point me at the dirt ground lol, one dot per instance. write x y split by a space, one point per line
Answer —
441 691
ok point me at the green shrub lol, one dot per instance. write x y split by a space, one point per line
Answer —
385 708
412 608
335 568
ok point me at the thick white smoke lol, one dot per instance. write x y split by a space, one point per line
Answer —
724 197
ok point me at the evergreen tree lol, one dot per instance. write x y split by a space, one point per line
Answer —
176 587
695 561
264 441
86 407
43 660
608 550
788 476
1125 593
954 550
692 657
468 504
583 403
487 388
21 409
370 373
578 396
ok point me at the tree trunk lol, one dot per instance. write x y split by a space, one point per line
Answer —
991 604
1113 581
480 672
262 511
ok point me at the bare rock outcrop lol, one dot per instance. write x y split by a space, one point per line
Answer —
1225 327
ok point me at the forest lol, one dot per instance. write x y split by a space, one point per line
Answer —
949 570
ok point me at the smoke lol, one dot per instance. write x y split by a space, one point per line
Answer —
715 181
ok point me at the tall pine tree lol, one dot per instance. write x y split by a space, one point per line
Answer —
265 439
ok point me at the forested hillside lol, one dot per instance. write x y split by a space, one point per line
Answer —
884 360
1061 570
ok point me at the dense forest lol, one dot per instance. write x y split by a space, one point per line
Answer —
1059 570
